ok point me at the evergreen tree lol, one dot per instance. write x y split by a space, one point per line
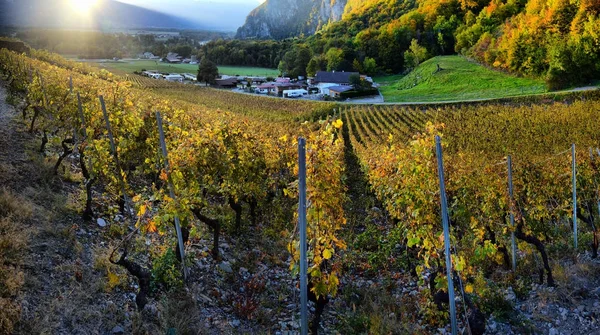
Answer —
207 71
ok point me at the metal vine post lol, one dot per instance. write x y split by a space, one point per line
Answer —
163 146
302 223
445 222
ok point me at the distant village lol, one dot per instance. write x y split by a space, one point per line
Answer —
325 85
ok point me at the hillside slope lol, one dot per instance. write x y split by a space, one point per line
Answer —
458 79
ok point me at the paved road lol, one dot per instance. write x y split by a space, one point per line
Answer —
379 100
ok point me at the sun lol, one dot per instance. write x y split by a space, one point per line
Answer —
82 6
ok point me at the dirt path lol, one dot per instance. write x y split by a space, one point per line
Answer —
64 288
12 144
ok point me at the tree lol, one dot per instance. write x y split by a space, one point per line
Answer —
147 40
414 55
303 57
296 61
160 50
184 51
207 71
282 68
312 67
370 66
358 83
355 81
334 57
357 66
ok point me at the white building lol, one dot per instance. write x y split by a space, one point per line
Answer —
324 80
324 87
147 55
152 74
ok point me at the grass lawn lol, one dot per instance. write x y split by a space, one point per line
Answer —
459 79
127 67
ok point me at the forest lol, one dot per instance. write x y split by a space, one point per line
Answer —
558 40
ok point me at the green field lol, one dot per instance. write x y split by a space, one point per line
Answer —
459 79
122 67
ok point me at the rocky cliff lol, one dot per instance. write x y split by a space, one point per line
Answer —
280 19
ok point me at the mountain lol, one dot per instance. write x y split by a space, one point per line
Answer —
557 40
106 15
280 19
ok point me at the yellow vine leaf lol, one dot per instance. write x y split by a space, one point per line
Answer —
338 123
113 280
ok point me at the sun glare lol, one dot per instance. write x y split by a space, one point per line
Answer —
83 6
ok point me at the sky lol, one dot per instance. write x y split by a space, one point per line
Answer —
220 14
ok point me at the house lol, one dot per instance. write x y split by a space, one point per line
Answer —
336 91
174 77
266 88
173 58
323 80
256 80
147 55
279 88
226 83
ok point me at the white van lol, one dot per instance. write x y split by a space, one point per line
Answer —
294 93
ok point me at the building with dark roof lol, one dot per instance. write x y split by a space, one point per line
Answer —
173 58
336 91
226 83
340 78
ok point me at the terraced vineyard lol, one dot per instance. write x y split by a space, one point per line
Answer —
494 130
145 82
395 149
258 107
375 124
219 161
232 179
